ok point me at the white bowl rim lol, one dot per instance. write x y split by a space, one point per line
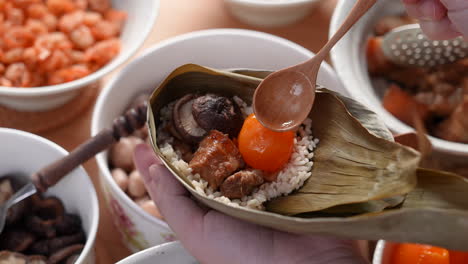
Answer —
378 252
141 254
394 124
111 66
271 3
94 207
102 163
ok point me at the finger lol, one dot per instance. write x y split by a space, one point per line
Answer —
442 29
454 5
458 17
426 10
181 213
144 157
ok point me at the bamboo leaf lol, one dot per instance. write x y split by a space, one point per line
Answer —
351 165
357 170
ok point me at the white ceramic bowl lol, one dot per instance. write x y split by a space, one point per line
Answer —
26 153
349 60
270 13
172 252
141 18
383 252
217 48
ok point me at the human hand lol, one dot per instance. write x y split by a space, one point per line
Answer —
213 237
440 19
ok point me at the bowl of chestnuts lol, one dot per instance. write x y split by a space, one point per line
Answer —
57 226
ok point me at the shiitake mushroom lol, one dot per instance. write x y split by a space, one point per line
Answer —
184 123
194 116
214 112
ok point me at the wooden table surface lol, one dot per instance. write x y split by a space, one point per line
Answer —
177 17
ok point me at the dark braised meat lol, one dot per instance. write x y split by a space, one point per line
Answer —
183 149
455 128
214 112
216 158
241 183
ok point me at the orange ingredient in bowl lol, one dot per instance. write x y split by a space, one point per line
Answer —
262 148
407 253
458 257
401 105
48 42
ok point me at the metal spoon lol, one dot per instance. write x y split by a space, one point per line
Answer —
284 99
23 193
408 46
48 176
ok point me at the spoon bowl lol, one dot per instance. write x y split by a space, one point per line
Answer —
23 193
291 88
284 99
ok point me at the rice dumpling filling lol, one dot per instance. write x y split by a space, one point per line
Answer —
235 160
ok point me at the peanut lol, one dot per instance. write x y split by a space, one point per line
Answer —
151 208
136 187
121 178
121 154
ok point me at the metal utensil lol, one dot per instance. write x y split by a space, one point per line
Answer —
48 176
23 193
408 46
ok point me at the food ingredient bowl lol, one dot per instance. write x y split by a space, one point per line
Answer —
172 252
216 48
270 13
26 153
141 18
349 60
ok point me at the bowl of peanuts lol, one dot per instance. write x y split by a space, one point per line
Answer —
51 49
134 213
57 226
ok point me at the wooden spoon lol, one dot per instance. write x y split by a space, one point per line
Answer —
284 99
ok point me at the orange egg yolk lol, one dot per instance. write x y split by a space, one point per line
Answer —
262 148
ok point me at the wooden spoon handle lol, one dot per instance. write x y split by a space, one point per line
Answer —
359 9
123 126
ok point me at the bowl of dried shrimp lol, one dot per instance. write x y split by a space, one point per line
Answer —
51 49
